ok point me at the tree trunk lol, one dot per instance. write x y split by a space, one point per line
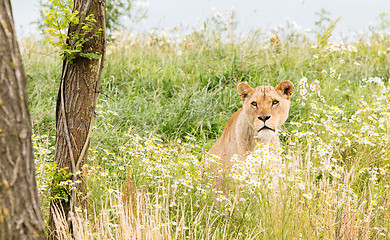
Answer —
76 104
20 213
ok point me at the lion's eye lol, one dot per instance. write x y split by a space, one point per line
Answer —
254 104
275 102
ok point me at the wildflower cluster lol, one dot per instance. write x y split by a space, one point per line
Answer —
330 181
174 168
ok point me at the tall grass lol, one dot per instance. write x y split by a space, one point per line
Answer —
165 100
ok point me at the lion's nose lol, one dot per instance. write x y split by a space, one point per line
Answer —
264 117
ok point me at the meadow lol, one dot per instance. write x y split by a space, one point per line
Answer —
165 98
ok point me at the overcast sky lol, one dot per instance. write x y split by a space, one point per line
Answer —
356 14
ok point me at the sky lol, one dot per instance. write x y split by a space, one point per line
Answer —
355 15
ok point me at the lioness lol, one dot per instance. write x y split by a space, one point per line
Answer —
264 110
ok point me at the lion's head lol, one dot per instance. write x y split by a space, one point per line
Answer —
266 107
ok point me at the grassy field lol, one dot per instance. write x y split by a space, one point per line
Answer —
166 99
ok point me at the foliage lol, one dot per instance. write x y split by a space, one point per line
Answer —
323 21
384 22
116 9
60 188
148 175
58 19
323 39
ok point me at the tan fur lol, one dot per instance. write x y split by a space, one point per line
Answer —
245 125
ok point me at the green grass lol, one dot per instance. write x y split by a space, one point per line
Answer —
332 181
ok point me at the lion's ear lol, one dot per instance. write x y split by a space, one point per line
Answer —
285 89
244 90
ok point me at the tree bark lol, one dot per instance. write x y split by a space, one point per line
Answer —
20 213
76 104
